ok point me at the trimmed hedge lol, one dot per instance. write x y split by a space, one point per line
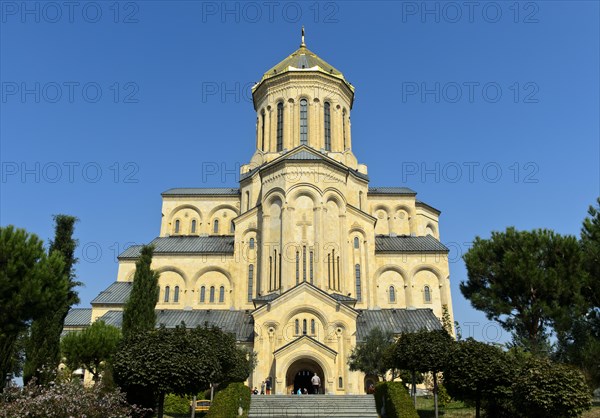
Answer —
397 400
177 405
227 400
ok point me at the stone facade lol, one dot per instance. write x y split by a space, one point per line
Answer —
304 246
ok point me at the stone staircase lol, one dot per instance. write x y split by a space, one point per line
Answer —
314 406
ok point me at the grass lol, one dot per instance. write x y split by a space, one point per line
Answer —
457 409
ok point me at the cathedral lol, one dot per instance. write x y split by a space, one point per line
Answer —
304 257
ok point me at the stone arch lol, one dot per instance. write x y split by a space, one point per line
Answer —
272 195
312 310
299 362
407 291
382 226
316 357
438 290
172 277
431 229
209 269
181 207
221 207
305 189
331 193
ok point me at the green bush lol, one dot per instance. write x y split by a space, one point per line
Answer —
397 400
227 401
177 404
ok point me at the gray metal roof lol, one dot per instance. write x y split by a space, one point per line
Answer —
408 244
222 244
421 203
201 191
396 321
266 298
78 317
342 298
116 294
239 323
391 190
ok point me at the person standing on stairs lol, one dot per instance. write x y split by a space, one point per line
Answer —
316 382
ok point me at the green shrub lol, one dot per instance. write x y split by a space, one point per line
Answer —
397 400
177 404
227 401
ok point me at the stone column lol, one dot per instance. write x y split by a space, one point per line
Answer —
343 254
320 265
314 128
290 128
288 277
268 129
263 255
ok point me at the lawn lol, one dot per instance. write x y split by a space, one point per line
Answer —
459 409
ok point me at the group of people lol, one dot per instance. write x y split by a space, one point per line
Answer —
265 387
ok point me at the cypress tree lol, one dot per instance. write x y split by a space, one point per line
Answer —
138 314
42 353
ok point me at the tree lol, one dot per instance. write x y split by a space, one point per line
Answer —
91 348
546 389
169 361
527 281
371 356
32 284
423 351
43 346
138 312
580 344
476 372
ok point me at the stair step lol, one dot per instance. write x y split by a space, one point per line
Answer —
314 406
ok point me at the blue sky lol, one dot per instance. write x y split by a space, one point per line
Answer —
489 110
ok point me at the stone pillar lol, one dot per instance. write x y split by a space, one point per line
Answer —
263 255
343 253
320 265
268 129
314 128
290 128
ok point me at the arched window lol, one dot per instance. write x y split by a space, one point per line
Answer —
358 289
193 228
231 227
202 294
344 126
303 122
356 242
177 226
427 294
340 382
279 126
221 294
250 281
392 294
167 293
327 119
176 294
304 327
313 329
212 295
262 134
216 226
297 327
251 245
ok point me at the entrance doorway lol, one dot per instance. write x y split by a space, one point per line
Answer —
299 376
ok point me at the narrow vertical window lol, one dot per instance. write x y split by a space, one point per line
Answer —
176 294
262 133
216 226
339 286
212 295
358 289
360 200
231 227
340 383
221 294
202 294
329 270
167 293
344 126
250 281
327 119
297 267
279 126
311 267
247 200
303 122
356 242
304 263
427 294
297 328
304 327
392 294
313 329
193 228
333 268
177 226
251 245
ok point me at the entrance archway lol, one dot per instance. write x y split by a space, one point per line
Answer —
299 375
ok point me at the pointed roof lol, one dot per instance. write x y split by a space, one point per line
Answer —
303 59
